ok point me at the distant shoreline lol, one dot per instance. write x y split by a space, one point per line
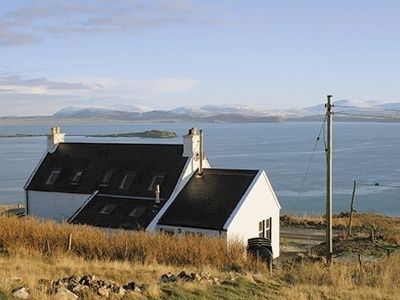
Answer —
155 134
229 119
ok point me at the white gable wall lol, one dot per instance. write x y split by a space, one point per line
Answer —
53 205
259 203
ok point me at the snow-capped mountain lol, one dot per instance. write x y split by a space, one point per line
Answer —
345 110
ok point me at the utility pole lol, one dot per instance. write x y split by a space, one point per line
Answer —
329 115
352 208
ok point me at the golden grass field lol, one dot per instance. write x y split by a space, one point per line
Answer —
32 250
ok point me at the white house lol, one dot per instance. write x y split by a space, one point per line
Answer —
154 187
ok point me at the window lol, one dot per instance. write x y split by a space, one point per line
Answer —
53 177
137 212
127 181
76 177
105 181
157 180
108 209
264 228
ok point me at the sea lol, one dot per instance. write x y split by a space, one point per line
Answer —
366 152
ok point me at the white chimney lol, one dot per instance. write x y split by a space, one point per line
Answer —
157 191
191 143
54 138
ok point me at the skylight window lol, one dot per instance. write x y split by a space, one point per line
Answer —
105 181
108 209
76 177
53 177
157 180
127 181
137 212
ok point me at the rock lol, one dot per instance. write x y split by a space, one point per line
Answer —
142 286
130 286
169 277
184 276
215 280
79 289
104 292
196 276
20 293
119 290
63 293
205 275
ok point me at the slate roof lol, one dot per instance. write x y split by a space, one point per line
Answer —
93 213
208 201
96 159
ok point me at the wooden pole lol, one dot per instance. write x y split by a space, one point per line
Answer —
352 208
70 242
329 178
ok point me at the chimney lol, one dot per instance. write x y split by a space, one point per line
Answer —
201 156
157 194
191 143
54 138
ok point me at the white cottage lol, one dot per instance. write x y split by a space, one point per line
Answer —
154 187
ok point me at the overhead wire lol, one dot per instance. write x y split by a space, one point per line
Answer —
321 130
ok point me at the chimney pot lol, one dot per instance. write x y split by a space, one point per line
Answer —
54 138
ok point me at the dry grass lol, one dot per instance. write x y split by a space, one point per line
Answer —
377 280
48 237
386 227
143 257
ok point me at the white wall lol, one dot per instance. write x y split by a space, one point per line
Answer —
51 205
184 230
259 203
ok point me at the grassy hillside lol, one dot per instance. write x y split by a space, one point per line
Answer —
33 252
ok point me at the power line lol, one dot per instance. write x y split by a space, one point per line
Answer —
311 159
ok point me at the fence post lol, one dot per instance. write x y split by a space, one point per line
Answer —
126 251
70 242
48 249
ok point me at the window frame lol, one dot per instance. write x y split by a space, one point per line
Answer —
110 173
122 186
55 173
152 186
140 208
265 228
103 210
73 180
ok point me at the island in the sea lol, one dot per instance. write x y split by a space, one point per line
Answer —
158 134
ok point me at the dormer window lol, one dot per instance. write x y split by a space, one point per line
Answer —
105 181
157 180
53 177
108 209
76 177
127 180
137 212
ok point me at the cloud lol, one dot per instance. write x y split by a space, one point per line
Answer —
28 25
15 83
33 96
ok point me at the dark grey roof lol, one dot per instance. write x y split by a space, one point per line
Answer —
95 159
208 201
120 208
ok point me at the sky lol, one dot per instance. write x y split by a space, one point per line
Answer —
170 53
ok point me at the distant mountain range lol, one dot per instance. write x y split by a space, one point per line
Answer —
345 110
